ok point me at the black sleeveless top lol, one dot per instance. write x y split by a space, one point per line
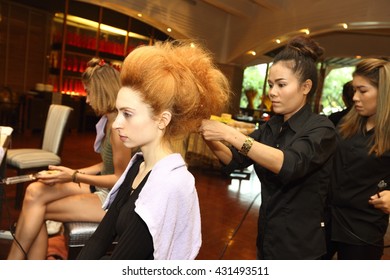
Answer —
122 225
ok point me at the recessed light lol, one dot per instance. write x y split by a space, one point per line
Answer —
305 30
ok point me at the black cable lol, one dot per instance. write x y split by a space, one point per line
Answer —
11 229
382 185
357 236
238 227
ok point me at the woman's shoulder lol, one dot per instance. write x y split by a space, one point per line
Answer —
172 174
172 168
320 121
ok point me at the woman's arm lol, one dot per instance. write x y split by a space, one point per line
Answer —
88 175
121 158
266 156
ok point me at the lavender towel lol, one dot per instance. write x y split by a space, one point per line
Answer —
168 203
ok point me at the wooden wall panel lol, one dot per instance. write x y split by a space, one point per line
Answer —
24 41
37 52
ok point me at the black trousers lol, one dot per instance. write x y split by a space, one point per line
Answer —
346 251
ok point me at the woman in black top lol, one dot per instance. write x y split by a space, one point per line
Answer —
124 222
153 209
361 163
291 154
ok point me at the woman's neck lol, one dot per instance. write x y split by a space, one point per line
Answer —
370 124
154 154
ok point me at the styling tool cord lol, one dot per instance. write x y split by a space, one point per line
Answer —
238 227
10 226
355 235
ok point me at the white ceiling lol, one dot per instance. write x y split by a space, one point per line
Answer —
231 28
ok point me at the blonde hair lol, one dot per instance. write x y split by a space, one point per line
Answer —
180 77
377 72
103 83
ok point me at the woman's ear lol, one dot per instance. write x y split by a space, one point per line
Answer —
165 119
306 86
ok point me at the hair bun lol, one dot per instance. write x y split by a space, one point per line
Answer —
306 46
94 62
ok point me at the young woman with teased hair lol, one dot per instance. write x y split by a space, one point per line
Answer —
153 210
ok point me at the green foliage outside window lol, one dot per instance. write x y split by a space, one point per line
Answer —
332 100
254 78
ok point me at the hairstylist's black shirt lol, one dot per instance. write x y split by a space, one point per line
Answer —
291 218
354 181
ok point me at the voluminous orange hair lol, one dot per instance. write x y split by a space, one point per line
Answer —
180 77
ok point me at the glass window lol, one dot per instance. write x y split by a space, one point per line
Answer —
252 86
332 100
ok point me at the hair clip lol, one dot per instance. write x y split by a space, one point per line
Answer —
102 62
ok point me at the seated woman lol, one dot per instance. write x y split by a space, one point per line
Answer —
75 195
167 89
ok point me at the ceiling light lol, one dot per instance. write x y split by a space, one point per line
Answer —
169 29
278 41
93 25
139 15
344 25
305 30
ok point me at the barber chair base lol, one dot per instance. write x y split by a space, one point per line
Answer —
76 235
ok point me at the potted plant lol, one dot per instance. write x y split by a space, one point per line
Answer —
250 86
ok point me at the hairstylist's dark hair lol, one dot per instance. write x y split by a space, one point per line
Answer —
301 55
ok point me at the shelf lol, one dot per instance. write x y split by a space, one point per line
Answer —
88 33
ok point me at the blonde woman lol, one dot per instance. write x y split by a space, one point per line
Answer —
75 194
362 165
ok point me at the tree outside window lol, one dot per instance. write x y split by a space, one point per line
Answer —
332 100
252 86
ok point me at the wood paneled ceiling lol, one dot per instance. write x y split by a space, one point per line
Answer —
231 29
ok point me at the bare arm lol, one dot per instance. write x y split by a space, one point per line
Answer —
121 158
88 175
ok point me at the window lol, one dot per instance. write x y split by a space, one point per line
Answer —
332 100
254 79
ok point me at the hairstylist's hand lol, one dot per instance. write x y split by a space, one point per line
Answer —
216 131
382 202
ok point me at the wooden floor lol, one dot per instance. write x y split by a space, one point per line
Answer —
229 207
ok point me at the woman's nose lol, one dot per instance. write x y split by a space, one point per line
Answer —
117 123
